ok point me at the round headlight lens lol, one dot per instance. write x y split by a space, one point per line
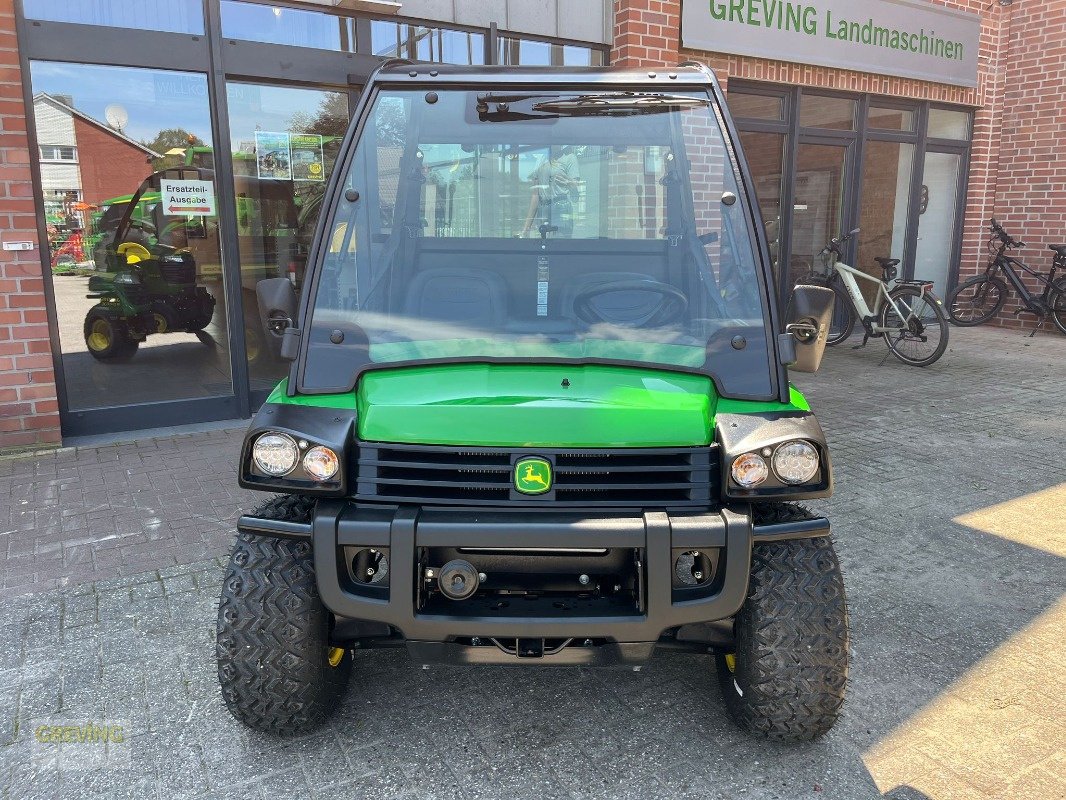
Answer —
749 470
796 462
275 454
321 463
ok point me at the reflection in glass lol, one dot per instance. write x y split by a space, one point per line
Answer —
755 106
765 154
890 119
285 142
947 124
531 52
937 216
821 111
886 184
137 271
420 43
817 214
173 16
290 26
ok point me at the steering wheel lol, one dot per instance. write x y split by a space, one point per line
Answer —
671 306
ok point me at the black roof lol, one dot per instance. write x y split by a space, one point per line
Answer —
398 71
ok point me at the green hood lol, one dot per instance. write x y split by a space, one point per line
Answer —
518 405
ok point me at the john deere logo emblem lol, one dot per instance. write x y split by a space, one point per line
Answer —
533 476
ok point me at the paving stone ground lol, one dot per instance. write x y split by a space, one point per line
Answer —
950 523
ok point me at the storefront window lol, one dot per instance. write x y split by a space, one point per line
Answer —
755 106
133 239
821 111
285 142
531 52
947 124
890 119
290 26
419 43
886 186
173 16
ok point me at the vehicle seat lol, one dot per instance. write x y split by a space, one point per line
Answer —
887 262
1058 248
474 298
622 307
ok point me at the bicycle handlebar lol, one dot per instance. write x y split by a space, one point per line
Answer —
834 244
1002 235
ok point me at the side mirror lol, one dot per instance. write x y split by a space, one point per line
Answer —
277 304
810 312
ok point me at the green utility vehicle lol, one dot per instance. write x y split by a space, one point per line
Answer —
146 276
538 411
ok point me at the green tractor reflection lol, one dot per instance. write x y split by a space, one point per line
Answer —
148 283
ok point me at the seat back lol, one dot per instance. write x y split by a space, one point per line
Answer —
470 297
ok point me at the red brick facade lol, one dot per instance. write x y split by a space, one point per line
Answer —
1017 168
29 412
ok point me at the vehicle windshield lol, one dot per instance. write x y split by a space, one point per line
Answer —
542 226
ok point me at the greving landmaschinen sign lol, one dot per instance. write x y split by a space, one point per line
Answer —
909 38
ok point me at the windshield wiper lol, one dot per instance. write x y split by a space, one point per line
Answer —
501 107
621 103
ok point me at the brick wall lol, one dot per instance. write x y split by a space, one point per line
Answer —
1017 171
29 413
1030 190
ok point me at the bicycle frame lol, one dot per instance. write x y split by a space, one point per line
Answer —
848 275
1003 263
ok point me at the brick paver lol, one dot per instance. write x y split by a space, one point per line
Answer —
949 521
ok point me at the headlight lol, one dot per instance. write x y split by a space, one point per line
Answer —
275 454
749 470
795 462
321 463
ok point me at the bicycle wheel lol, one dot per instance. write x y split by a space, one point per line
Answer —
843 317
1057 303
920 336
976 300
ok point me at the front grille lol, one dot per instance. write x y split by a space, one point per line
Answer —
616 478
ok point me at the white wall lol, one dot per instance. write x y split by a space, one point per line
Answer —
55 126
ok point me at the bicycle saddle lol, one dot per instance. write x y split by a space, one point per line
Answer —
1058 248
887 262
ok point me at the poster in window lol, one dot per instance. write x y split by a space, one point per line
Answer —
307 161
272 155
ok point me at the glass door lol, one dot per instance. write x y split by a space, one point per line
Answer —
938 210
284 142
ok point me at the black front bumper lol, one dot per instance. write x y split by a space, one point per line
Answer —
444 632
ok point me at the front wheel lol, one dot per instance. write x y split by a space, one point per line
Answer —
843 317
277 669
106 337
918 333
976 301
788 674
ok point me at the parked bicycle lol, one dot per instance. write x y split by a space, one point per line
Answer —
908 316
979 299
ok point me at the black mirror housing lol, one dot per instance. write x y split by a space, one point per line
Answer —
810 312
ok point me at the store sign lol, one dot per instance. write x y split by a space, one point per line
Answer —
908 38
188 198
